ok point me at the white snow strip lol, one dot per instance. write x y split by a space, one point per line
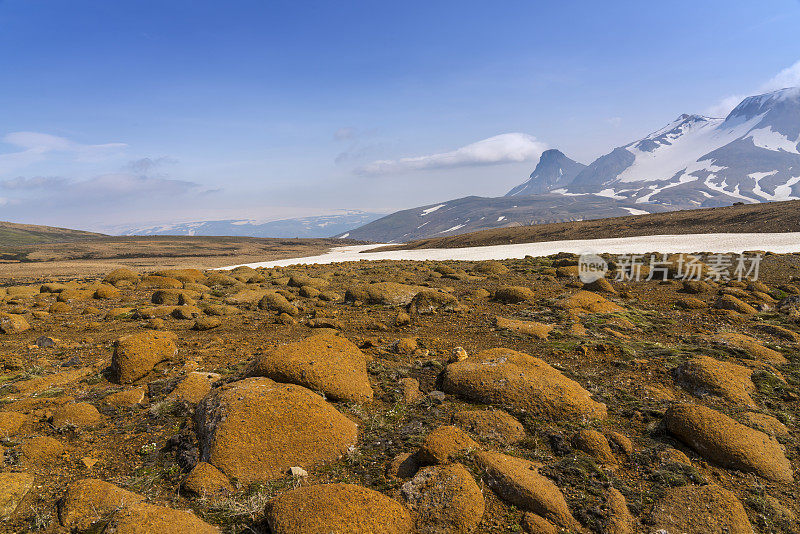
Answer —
501 218
431 210
721 188
610 193
784 192
456 227
684 179
344 235
772 140
634 211
757 177
780 243
563 191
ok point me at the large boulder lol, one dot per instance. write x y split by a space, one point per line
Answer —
12 323
518 482
194 387
137 354
721 439
750 346
529 328
277 302
514 294
495 425
703 375
122 274
11 423
89 500
339 508
430 301
326 363
205 480
13 488
302 280
446 500
79 415
255 429
173 297
43 383
729 302
143 518
443 444
709 509
520 383
588 302
250 297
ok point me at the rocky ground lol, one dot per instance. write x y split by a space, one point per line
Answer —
400 397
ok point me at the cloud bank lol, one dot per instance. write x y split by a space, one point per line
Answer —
788 77
504 148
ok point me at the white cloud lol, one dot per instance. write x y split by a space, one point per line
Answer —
35 147
788 77
724 106
504 148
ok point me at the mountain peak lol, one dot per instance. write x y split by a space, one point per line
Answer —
788 97
553 171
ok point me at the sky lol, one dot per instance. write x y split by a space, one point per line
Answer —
138 112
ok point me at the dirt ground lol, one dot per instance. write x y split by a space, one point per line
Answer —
90 258
625 358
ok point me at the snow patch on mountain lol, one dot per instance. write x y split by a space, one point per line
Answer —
431 210
772 140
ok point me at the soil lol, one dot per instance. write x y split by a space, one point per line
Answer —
625 359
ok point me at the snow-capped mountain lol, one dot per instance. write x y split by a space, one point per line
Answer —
319 226
553 171
751 155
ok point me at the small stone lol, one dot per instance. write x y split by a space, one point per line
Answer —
458 355
298 472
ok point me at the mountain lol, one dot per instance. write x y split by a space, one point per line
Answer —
308 227
27 234
752 155
470 214
553 171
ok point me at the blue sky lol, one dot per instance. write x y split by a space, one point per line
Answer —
136 112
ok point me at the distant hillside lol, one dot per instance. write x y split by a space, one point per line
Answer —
470 214
320 226
770 217
26 234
